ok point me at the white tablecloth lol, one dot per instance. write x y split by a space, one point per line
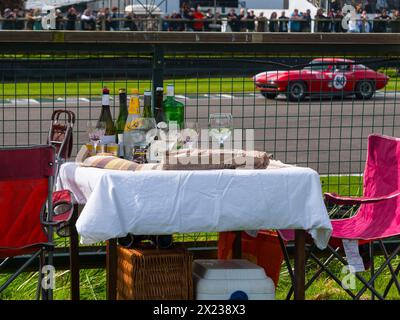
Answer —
165 202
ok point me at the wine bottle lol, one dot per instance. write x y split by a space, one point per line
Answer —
121 120
159 110
134 133
105 116
147 112
173 110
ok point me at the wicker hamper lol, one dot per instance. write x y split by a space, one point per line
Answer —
153 274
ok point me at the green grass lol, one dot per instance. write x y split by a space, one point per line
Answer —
35 90
182 86
93 286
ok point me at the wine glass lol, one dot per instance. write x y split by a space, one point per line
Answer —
96 130
190 135
220 126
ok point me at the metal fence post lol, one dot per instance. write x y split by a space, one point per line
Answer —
157 72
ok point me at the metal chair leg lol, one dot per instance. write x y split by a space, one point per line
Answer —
19 271
389 285
372 268
380 270
392 272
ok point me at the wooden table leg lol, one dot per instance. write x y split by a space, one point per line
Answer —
111 262
299 265
237 246
74 256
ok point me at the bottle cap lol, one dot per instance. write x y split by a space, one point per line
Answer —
135 91
106 90
147 93
122 90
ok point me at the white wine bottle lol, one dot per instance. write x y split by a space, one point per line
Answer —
105 116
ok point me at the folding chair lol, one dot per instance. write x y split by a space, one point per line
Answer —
27 217
377 218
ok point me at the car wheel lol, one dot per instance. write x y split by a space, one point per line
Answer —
365 90
296 91
269 95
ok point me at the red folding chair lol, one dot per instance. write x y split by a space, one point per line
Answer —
27 209
377 218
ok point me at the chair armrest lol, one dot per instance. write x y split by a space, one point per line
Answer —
63 208
337 199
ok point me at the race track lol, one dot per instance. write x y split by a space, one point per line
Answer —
326 134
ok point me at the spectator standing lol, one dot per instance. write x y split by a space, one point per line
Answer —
337 22
88 21
261 22
103 19
320 21
242 20
130 23
295 21
30 20
72 17
198 17
273 22
114 23
251 21
188 16
306 21
176 25
283 22
381 22
37 15
20 19
233 21
209 16
363 24
9 19
59 20
395 23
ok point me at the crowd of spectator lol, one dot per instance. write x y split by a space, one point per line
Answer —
194 19
104 19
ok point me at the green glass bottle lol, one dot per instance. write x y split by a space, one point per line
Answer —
147 111
105 116
173 110
121 120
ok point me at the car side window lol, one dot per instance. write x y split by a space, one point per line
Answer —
343 68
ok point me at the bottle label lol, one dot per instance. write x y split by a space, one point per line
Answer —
107 139
134 106
133 125
105 100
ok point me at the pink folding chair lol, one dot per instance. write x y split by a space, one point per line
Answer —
377 218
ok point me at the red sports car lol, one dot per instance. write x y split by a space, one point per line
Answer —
327 76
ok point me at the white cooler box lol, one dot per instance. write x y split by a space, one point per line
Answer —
234 279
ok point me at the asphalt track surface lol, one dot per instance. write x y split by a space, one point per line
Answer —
326 134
